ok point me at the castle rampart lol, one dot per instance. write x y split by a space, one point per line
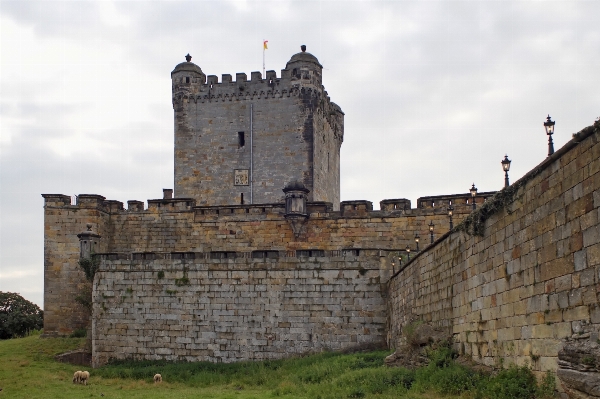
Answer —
235 309
530 281
178 225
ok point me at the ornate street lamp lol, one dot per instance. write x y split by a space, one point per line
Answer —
473 191
417 240
549 125
431 230
450 212
408 251
506 167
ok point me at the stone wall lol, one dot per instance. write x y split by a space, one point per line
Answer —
532 279
177 225
62 276
193 308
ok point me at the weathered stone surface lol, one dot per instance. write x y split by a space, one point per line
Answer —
246 308
579 366
529 281
412 351
295 132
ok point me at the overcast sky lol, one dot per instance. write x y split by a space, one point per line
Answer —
435 94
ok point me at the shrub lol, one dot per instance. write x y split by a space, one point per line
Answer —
547 385
512 383
79 333
90 267
409 331
18 316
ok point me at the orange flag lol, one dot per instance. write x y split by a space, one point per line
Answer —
265 45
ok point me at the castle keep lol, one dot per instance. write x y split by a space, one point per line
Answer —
242 141
253 256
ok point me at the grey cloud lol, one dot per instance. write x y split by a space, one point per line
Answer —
432 102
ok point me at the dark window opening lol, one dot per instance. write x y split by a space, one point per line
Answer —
270 81
265 254
187 80
241 139
211 85
222 255
310 252
242 199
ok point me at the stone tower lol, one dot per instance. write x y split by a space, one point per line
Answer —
242 141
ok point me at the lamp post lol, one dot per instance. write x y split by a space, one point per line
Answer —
473 191
408 251
431 230
450 211
549 126
506 167
417 240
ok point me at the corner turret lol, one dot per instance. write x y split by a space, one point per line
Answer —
187 78
305 67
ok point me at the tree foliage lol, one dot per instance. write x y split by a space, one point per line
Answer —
18 316
90 267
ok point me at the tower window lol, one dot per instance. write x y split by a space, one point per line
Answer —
241 139
241 198
187 80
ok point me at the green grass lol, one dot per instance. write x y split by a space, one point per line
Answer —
28 370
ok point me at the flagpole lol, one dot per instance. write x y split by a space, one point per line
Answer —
263 74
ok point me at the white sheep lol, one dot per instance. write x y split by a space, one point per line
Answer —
157 378
85 376
77 377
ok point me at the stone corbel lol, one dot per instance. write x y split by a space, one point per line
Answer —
298 224
295 207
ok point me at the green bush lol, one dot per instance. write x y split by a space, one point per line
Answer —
512 383
79 333
18 316
547 386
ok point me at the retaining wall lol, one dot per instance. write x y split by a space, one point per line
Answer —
531 280
226 310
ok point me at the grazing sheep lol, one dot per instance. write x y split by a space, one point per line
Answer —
157 378
76 377
85 376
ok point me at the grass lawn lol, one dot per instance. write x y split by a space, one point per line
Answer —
28 370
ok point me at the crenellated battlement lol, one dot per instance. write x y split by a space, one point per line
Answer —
430 205
437 201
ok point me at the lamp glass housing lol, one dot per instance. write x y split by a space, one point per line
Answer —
450 211
506 163
431 226
408 249
549 125
473 190
417 238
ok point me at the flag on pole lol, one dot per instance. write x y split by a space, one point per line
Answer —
264 48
